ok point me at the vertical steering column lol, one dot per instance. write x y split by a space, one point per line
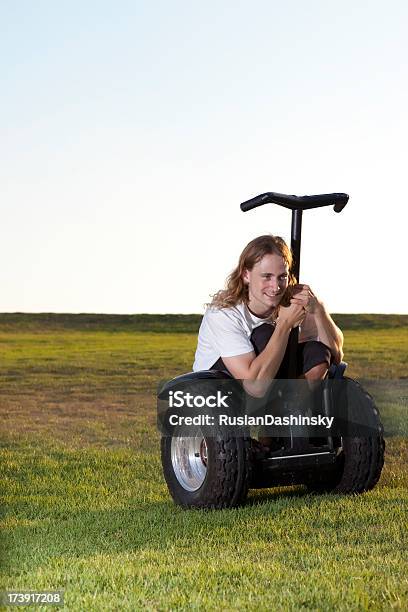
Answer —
295 238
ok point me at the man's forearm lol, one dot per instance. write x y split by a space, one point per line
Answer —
329 333
265 366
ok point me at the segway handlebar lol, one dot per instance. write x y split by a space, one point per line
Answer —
337 200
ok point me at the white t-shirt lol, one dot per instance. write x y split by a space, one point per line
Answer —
226 332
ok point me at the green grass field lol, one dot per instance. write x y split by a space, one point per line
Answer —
85 507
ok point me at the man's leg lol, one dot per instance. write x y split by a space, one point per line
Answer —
315 375
315 363
317 372
313 360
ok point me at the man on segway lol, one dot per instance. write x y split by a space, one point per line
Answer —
264 326
245 329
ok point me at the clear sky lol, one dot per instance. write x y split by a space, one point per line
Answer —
132 130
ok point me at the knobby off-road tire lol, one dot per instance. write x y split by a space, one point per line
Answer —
225 479
209 466
361 458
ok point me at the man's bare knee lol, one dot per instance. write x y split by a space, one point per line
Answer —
318 372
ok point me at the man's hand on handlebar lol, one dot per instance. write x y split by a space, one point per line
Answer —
292 315
302 295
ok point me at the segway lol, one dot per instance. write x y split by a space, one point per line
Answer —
215 466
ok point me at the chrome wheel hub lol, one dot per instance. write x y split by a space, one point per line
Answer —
189 460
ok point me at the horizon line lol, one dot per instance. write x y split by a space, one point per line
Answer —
165 314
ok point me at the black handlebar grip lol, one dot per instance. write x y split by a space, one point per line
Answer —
254 202
342 201
337 200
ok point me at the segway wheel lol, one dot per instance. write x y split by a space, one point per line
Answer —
207 472
360 459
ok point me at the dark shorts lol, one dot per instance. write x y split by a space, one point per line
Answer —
309 354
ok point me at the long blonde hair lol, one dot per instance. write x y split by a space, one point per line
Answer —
236 290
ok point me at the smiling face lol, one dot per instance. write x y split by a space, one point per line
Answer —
267 282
